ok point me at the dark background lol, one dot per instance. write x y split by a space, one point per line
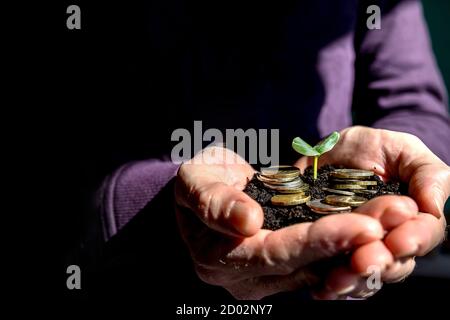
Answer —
437 13
86 139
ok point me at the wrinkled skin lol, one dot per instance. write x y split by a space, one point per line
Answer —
221 225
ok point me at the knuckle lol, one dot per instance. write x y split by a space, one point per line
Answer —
205 197
208 201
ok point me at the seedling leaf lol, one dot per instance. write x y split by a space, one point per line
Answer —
304 148
327 144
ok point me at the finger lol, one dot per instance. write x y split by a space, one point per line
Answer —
430 187
226 209
390 210
398 270
299 245
416 236
218 259
278 252
342 282
369 256
305 162
363 290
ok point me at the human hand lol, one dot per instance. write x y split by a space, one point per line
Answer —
416 225
221 226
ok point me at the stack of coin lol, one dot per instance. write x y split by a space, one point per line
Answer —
342 196
335 204
352 181
286 182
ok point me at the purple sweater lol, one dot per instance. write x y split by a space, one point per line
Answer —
389 75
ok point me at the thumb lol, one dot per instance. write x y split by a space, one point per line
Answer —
304 162
430 188
226 209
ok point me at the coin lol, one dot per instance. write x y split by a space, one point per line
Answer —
319 207
289 199
288 189
366 192
345 193
348 186
358 182
285 186
302 189
274 180
330 212
353 201
351 173
281 172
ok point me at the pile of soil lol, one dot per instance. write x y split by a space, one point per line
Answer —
278 217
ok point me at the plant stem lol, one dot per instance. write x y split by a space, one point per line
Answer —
316 158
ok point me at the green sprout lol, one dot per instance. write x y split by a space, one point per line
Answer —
323 146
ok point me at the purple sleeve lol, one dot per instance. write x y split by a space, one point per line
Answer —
129 189
398 85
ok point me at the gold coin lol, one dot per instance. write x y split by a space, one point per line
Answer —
348 186
352 201
341 192
289 199
358 182
351 173
302 189
319 207
280 172
274 180
366 192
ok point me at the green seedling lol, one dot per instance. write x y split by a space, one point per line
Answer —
322 147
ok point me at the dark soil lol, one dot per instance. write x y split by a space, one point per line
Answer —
279 217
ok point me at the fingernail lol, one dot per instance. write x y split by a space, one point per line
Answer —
438 207
368 294
439 201
409 253
346 290
368 236
242 218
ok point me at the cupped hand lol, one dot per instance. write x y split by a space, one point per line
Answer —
221 226
416 225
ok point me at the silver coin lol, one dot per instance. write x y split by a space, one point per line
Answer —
291 182
283 187
297 182
342 192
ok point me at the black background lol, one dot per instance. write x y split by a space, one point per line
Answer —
86 110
